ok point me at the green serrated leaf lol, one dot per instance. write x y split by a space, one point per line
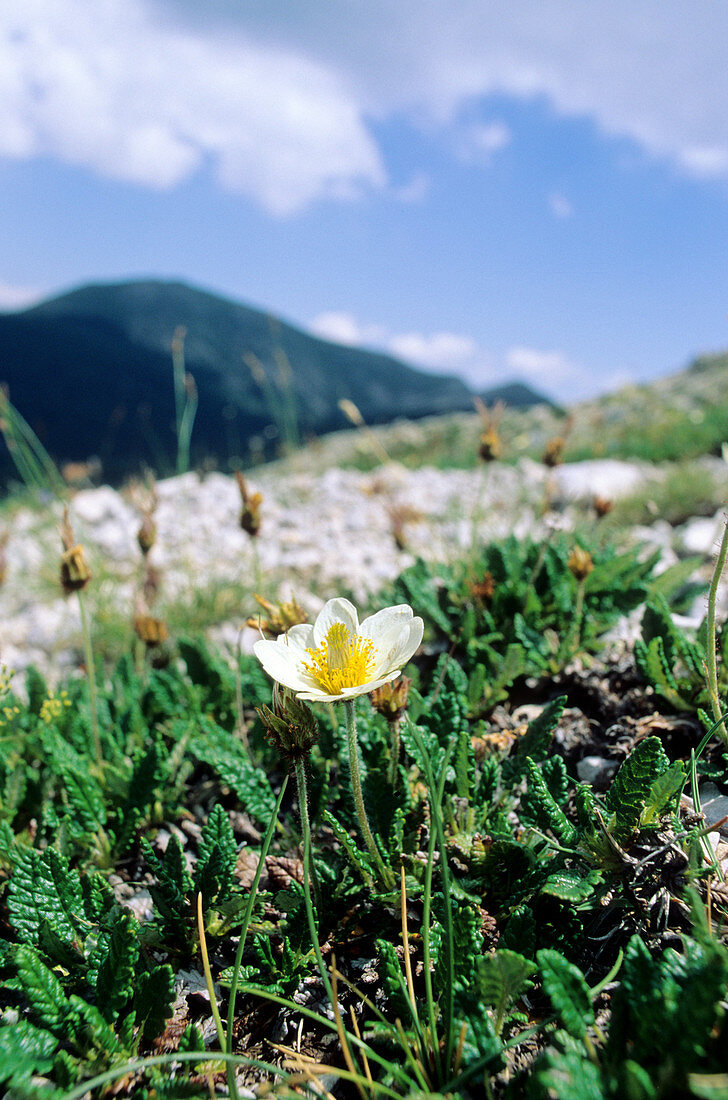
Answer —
44 889
25 1050
569 885
568 992
630 789
115 977
219 750
42 990
537 738
153 999
662 791
355 854
172 891
218 852
569 1075
544 808
502 978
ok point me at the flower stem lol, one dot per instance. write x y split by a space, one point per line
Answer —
91 673
306 830
385 874
394 762
711 670
302 783
252 893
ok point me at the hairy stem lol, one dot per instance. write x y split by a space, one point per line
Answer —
302 782
711 669
91 673
232 1084
385 874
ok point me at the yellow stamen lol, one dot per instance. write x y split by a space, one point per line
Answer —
342 660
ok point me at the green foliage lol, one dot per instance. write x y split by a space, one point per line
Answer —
25 1050
673 663
631 793
502 978
540 807
172 892
214 873
219 750
568 992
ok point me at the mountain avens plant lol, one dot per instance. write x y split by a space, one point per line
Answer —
339 658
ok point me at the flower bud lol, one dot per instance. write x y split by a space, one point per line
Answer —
602 505
290 725
250 512
580 563
554 453
75 573
390 700
147 534
151 631
490 447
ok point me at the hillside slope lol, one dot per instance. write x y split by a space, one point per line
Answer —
91 371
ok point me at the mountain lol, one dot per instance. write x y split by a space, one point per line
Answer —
91 371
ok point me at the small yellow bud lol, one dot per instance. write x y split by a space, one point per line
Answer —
151 631
490 448
580 563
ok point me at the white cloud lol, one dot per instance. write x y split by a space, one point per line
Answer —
440 350
18 297
343 328
560 206
550 368
280 99
139 99
479 142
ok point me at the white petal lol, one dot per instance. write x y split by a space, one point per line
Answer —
347 693
282 663
300 636
386 621
399 647
337 610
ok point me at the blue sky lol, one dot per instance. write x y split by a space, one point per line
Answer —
533 189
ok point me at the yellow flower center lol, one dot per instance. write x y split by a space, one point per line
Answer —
342 660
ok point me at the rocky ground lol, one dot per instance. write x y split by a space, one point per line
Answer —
321 533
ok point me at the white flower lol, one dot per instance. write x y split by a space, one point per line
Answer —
339 658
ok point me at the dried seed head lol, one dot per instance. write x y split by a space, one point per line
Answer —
280 617
553 454
151 631
580 563
290 725
484 588
250 512
147 534
602 505
74 573
490 447
391 699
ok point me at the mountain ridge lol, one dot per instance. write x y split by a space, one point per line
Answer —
90 369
